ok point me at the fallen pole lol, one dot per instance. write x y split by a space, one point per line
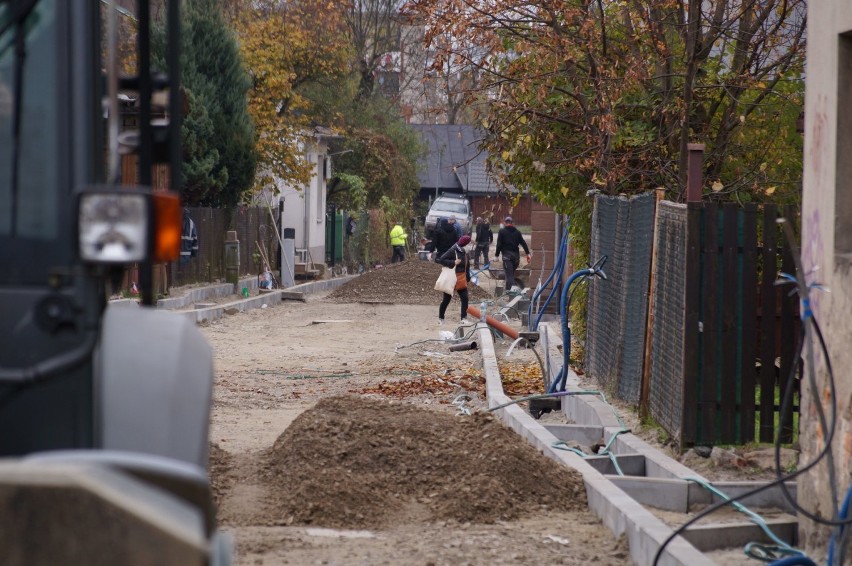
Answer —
493 323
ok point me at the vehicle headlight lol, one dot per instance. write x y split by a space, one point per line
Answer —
113 226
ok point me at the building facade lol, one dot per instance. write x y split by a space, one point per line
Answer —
826 253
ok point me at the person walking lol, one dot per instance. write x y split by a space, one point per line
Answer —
454 221
484 237
351 226
397 241
188 238
445 237
456 257
509 242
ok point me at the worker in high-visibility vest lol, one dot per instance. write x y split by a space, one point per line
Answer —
397 241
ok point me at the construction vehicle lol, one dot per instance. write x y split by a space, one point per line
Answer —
104 411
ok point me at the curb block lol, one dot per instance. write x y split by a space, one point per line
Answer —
272 298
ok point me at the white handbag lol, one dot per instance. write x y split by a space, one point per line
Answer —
446 282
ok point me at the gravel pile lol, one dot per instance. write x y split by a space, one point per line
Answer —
354 462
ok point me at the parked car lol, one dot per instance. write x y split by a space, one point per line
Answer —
449 205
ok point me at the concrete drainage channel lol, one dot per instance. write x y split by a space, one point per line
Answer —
633 474
619 485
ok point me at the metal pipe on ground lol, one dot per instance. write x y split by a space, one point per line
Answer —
463 346
494 323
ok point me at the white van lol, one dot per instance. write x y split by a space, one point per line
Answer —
449 205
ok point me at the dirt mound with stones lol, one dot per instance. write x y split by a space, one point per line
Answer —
410 282
356 463
221 466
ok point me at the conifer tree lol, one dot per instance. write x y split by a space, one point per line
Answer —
218 132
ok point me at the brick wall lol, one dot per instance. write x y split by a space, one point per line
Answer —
544 245
498 207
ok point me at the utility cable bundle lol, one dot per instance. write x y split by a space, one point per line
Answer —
840 520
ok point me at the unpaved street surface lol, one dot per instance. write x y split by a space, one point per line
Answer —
335 440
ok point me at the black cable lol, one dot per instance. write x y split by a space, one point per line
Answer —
544 375
719 505
780 480
828 439
19 12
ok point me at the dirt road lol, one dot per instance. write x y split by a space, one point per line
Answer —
335 440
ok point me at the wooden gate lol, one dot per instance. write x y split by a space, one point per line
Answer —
741 329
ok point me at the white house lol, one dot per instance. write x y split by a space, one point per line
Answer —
303 208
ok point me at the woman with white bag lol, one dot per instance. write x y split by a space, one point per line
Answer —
455 258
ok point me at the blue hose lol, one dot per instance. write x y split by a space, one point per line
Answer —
557 270
558 384
838 533
794 561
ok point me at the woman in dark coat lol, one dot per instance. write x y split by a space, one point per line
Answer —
456 257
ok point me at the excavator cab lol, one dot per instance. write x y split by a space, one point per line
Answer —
104 411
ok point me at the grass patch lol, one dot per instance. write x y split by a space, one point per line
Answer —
776 414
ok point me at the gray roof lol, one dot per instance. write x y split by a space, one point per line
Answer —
454 162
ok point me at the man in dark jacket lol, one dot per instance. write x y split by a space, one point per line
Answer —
509 242
444 238
484 237
188 238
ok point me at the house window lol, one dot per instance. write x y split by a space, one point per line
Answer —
320 187
843 177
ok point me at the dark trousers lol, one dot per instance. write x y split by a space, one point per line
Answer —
442 310
480 249
510 264
398 254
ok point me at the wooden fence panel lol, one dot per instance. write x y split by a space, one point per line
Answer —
253 227
692 291
722 336
768 300
749 322
729 339
710 334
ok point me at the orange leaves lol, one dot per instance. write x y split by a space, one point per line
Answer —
521 379
284 47
426 385
427 378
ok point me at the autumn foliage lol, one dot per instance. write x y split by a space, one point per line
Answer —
578 95
288 46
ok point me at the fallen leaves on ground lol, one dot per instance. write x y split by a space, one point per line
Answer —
427 378
521 379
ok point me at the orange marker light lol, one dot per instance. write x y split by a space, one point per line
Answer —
167 226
